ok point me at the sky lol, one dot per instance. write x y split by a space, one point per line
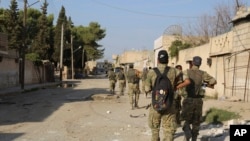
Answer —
129 24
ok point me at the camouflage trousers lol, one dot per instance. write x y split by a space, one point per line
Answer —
143 86
192 115
178 109
133 93
112 86
122 86
167 120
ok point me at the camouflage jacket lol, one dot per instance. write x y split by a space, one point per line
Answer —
194 88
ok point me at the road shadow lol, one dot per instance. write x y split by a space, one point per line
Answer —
37 104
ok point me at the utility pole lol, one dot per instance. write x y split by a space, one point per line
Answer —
83 59
61 53
22 51
72 58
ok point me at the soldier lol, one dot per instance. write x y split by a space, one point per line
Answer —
131 77
143 78
178 99
167 118
122 81
112 80
192 103
137 88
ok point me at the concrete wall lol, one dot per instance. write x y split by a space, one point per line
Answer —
9 73
140 59
214 70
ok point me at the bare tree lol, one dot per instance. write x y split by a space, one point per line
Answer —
207 26
224 14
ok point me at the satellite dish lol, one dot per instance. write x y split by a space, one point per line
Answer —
174 30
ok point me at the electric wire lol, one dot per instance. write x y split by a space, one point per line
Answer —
140 12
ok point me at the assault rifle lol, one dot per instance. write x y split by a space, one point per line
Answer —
205 84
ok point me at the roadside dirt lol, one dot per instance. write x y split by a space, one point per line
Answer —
71 114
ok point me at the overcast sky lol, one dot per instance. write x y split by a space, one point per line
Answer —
129 24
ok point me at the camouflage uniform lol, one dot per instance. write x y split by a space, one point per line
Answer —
143 78
122 82
131 86
193 103
137 91
178 98
167 119
112 81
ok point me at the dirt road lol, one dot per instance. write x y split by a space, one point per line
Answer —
66 113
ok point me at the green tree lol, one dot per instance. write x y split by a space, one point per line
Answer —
13 26
67 47
61 21
50 52
32 25
78 44
176 46
41 44
2 20
91 35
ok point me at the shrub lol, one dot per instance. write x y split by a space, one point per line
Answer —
218 115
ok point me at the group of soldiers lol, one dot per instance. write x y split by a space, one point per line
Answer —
130 78
187 104
188 98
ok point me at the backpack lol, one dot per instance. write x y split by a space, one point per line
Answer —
112 75
163 93
195 90
144 74
121 76
131 76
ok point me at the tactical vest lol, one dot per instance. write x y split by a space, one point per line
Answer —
144 75
194 90
131 75
121 76
112 75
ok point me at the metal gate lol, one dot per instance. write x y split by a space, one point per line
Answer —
237 75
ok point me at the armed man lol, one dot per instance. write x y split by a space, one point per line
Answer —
166 118
192 104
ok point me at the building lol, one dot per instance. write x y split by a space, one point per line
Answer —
226 57
139 58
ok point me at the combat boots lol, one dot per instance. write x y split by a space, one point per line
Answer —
187 131
194 138
136 106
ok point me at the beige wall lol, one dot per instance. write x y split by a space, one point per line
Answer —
9 75
215 69
140 58
221 44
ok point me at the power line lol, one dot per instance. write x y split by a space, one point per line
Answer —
139 12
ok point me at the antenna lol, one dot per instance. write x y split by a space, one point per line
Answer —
174 30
